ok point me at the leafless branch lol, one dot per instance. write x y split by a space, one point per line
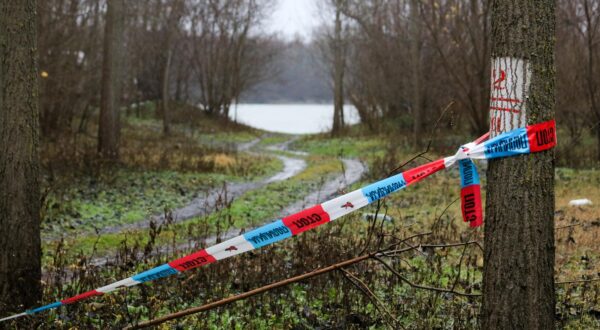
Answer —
430 141
362 286
568 226
578 281
424 287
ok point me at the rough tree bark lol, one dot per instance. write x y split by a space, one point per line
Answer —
109 128
20 247
518 282
338 73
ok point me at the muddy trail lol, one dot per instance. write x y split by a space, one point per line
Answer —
204 205
353 170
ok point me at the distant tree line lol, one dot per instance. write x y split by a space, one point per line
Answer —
105 54
402 60
406 59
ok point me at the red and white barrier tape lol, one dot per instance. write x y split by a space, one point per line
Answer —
524 140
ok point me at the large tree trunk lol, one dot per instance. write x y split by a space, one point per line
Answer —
518 283
338 74
109 128
20 250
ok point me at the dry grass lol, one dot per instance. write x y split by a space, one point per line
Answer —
578 228
220 161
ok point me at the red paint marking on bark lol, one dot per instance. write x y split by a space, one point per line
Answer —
505 109
506 99
497 83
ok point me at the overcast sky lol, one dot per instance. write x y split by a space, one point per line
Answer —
293 17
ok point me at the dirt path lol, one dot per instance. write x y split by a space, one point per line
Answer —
204 205
353 170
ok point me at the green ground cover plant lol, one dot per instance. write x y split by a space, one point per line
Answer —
334 300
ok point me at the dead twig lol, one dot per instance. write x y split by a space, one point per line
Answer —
424 152
476 243
392 253
424 287
263 289
247 294
578 281
439 218
371 228
568 226
404 240
362 286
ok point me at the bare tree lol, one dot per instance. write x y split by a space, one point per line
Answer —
20 246
415 59
227 57
590 30
458 32
338 70
69 38
172 13
109 128
390 40
166 35
331 43
572 99
578 53
378 85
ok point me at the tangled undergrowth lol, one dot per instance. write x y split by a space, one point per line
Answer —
431 280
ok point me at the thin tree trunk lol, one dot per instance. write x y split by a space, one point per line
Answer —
416 71
363 111
165 94
109 128
591 65
178 90
518 283
481 9
598 141
84 119
338 74
20 247
172 25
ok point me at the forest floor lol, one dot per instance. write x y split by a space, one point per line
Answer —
95 213
105 214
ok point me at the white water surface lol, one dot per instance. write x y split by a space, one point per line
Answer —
291 118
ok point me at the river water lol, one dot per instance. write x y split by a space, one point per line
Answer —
291 118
